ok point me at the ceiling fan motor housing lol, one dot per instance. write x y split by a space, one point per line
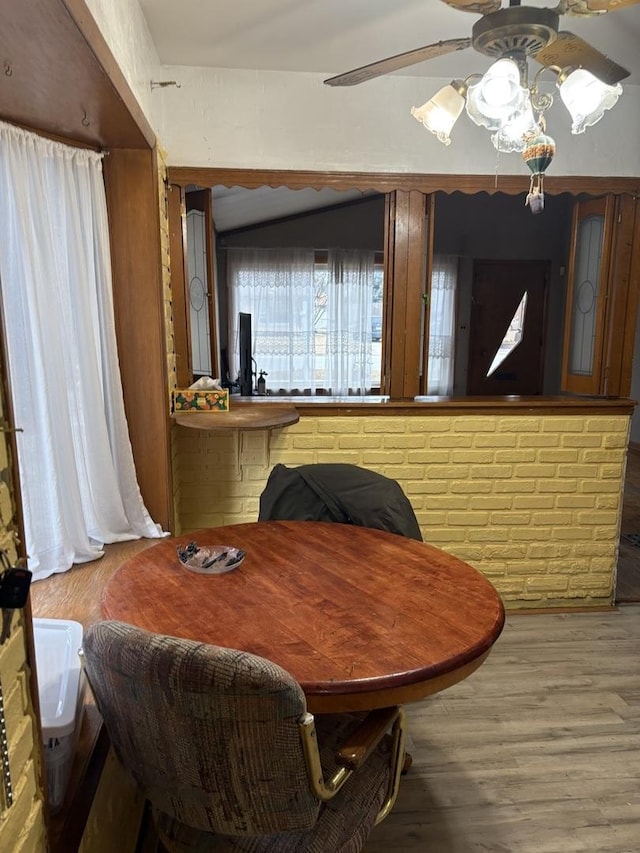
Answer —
516 30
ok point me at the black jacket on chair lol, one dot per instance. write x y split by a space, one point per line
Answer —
338 492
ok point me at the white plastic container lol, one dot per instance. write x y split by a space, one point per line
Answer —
61 688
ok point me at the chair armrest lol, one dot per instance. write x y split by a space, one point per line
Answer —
361 743
354 751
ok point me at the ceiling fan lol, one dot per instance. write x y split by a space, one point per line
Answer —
518 31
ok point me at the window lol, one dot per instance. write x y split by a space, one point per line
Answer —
312 317
465 224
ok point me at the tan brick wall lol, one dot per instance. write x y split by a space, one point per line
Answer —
22 826
532 501
166 269
168 303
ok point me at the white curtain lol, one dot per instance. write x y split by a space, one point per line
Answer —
349 301
310 322
276 287
78 483
442 325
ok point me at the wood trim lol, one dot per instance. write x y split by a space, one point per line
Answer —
415 287
403 291
387 312
200 200
131 183
449 406
625 287
430 213
96 42
592 383
389 182
537 611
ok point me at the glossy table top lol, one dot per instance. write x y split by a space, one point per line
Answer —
360 617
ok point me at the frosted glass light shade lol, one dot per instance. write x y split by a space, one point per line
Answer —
514 133
497 95
441 112
587 98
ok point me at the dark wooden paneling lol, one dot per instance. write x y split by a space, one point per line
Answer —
623 298
55 81
404 293
131 181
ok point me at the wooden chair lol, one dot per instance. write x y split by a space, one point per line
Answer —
222 746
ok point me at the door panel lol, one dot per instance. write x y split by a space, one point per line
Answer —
588 287
200 283
506 346
602 297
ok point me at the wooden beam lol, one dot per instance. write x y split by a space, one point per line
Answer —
131 182
385 182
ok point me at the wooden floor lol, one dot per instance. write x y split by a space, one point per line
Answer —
628 580
536 752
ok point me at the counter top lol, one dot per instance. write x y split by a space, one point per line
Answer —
242 415
271 412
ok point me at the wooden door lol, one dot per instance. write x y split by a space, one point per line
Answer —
506 344
602 296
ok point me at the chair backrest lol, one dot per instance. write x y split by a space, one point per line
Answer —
210 734
338 492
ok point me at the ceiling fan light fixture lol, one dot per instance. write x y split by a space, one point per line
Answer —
585 97
497 96
441 112
515 133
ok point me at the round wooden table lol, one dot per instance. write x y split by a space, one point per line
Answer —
361 618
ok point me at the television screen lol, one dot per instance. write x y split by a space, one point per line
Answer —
246 360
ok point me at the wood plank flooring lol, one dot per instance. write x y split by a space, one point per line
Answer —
537 752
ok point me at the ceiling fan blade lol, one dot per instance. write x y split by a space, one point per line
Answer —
400 60
587 8
479 7
570 50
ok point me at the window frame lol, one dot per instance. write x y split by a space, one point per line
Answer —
407 233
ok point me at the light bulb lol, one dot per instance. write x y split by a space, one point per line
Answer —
497 95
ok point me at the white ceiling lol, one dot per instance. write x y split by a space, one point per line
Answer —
329 37
333 36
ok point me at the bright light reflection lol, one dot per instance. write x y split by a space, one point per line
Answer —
512 337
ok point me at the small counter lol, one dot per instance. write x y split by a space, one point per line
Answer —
243 414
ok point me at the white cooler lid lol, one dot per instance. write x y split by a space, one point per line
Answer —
57 644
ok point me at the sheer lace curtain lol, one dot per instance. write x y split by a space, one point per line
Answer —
311 323
442 316
349 301
275 286
78 482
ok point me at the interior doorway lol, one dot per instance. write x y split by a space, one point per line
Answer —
507 323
